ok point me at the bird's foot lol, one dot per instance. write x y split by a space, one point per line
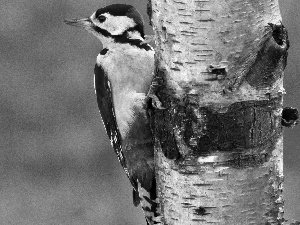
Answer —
156 103
155 84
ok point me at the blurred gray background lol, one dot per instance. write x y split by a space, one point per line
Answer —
56 163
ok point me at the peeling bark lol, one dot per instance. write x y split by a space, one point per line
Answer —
219 140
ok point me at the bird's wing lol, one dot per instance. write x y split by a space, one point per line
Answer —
107 111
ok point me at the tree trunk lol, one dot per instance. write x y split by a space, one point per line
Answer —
219 141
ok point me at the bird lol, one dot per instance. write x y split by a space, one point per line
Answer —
122 76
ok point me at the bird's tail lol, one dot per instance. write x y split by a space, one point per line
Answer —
149 204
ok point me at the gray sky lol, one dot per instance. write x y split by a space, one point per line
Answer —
56 163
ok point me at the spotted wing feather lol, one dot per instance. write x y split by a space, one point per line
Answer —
106 107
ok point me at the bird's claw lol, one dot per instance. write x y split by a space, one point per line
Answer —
156 103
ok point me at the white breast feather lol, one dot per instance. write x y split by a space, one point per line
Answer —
130 71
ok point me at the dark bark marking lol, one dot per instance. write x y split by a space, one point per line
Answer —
271 59
199 220
200 211
241 160
202 185
186 203
262 64
185 22
279 34
179 63
165 134
245 125
207 20
290 117
198 44
175 69
182 3
202 10
188 198
219 72
174 40
149 11
164 32
162 122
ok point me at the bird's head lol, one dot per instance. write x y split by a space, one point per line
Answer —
116 23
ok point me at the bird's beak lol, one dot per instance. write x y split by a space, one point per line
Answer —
84 23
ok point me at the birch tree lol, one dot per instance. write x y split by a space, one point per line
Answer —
218 142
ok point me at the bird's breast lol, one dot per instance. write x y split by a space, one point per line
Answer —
130 74
129 69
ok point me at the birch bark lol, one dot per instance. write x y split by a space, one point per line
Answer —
219 140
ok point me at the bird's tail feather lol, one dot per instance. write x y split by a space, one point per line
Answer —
149 204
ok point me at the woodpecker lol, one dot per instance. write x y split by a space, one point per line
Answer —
122 76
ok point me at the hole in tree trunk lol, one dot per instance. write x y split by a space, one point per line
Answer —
290 117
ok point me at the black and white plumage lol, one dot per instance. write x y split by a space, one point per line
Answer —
123 75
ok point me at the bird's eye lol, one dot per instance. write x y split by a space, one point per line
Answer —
101 18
